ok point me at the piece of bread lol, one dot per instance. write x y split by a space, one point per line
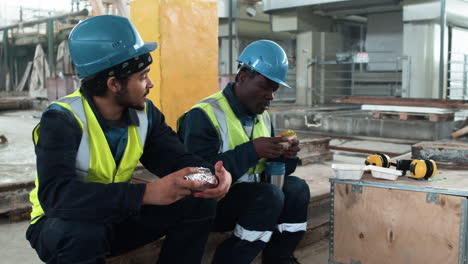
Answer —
290 135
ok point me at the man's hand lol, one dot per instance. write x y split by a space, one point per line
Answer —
292 151
224 179
170 188
269 147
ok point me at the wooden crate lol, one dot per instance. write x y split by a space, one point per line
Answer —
405 221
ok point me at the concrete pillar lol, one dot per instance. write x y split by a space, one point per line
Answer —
421 42
224 56
303 68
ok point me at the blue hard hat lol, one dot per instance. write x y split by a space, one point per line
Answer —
100 42
267 58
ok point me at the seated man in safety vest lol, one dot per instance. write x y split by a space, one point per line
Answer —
88 144
233 126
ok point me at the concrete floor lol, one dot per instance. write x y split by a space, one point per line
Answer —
16 249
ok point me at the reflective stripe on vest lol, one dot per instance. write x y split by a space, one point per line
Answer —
94 161
83 156
231 132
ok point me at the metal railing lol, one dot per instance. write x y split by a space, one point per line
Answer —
358 74
457 76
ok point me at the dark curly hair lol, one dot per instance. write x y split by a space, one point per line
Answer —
97 84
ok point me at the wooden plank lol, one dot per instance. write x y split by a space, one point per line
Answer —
15 196
407 109
422 102
460 132
394 226
23 214
25 77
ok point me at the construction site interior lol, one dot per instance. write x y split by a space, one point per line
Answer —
367 77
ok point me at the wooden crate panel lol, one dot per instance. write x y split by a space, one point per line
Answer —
379 225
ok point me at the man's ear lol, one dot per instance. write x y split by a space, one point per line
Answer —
113 84
241 77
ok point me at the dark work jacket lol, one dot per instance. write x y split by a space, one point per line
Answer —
200 137
62 196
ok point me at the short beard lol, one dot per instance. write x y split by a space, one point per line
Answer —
122 99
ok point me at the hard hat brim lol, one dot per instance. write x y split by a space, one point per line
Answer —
146 48
277 81
285 85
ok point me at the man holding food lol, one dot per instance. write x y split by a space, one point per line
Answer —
233 126
85 208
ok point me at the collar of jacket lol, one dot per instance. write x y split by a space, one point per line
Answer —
242 113
129 117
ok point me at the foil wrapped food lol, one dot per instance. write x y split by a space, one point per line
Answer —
205 176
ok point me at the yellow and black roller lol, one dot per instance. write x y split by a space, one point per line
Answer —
420 169
378 159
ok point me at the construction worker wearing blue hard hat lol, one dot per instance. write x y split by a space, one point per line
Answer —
235 127
88 144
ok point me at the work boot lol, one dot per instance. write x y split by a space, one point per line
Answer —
281 260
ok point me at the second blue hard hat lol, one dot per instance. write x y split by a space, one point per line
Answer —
267 58
100 42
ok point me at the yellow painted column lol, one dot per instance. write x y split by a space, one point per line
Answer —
185 67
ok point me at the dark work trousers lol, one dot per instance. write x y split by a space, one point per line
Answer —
186 225
261 207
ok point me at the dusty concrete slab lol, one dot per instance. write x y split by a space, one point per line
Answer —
372 146
361 123
314 150
441 151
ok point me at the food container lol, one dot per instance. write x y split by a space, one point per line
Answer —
349 171
205 176
384 173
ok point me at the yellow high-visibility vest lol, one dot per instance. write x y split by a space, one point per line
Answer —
94 161
230 130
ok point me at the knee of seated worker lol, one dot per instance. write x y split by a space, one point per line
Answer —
80 234
297 188
90 232
270 196
199 208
